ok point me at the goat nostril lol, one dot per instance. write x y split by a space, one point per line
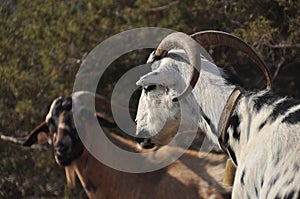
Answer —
139 140
144 140
145 143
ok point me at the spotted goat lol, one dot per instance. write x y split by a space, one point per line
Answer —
259 130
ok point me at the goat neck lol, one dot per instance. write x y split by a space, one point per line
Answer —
211 95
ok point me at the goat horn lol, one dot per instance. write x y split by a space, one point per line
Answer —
213 37
192 49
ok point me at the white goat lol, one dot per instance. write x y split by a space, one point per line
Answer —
261 130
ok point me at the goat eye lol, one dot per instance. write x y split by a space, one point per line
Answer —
149 88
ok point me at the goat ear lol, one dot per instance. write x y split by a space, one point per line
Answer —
38 135
164 78
42 138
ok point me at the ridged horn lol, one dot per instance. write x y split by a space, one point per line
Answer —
214 37
191 48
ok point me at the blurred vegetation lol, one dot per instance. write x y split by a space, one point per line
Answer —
44 42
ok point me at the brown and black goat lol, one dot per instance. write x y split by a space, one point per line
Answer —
188 177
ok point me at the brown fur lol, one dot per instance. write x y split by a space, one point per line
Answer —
186 178
70 175
192 176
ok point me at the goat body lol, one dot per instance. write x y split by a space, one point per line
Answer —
263 137
263 140
186 178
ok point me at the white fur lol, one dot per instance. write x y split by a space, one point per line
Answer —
209 95
267 157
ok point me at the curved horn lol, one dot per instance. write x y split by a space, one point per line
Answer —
213 37
192 49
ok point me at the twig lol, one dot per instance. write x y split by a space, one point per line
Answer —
163 7
20 141
278 68
16 140
284 46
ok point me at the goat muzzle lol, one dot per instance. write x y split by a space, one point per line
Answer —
145 143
